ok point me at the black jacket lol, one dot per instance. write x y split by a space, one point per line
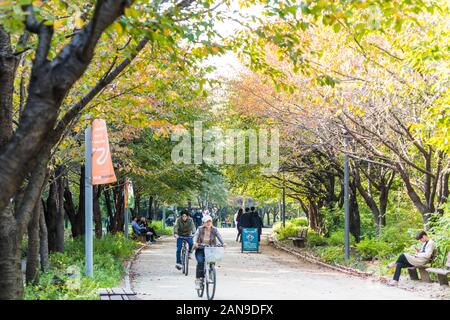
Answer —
256 221
245 220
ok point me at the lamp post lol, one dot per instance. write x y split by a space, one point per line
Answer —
346 200
88 234
283 208
126 213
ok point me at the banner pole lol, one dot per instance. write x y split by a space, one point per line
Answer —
89 246
126 207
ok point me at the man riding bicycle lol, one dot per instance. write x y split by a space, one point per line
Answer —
183 230
205 235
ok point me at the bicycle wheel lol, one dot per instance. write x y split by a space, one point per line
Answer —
183 254
186 259
211 282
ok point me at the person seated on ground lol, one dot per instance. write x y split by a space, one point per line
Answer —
183 230
206 235
138 230
421 258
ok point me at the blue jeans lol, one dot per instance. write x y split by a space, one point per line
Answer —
200 256
180 243
401 262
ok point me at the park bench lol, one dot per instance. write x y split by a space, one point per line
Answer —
442 273
300 240
140 238
424 276
117 294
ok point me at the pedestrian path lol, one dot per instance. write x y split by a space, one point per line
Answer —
268 275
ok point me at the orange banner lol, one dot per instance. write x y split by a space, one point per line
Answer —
102 167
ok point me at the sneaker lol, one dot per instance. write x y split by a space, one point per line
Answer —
391 265
198 284
178 266
392 283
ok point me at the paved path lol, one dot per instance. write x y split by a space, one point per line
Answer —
269 275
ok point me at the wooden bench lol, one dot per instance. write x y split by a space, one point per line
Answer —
300 240
442 273
140 238
424 276
117 294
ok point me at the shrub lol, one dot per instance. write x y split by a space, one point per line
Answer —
65 280
160 230
299 222
337 238
397 237
369 248
440 233
332 254
289 231
315 240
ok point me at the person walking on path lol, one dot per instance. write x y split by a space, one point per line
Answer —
406 260
246 219
237 223
206 235
184 227
198 215
256 221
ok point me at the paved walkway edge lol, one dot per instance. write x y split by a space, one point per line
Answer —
313 259
128 263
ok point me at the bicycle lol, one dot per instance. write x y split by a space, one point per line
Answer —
213 254
185 255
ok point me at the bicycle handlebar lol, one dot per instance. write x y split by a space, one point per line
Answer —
202 245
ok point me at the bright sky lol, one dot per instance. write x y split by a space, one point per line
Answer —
228 65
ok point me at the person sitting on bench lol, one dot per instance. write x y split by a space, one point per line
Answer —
138 229
150 233
421 258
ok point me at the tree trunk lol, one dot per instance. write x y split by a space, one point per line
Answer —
108 209
69 208
59 223
118 220
32 266
355 221
150 206
80 216
96 211
50 216
8 63
314 217
43 239
11 282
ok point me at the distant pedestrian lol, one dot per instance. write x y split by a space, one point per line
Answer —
198 215
237 222
227 221
246 221
256 221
